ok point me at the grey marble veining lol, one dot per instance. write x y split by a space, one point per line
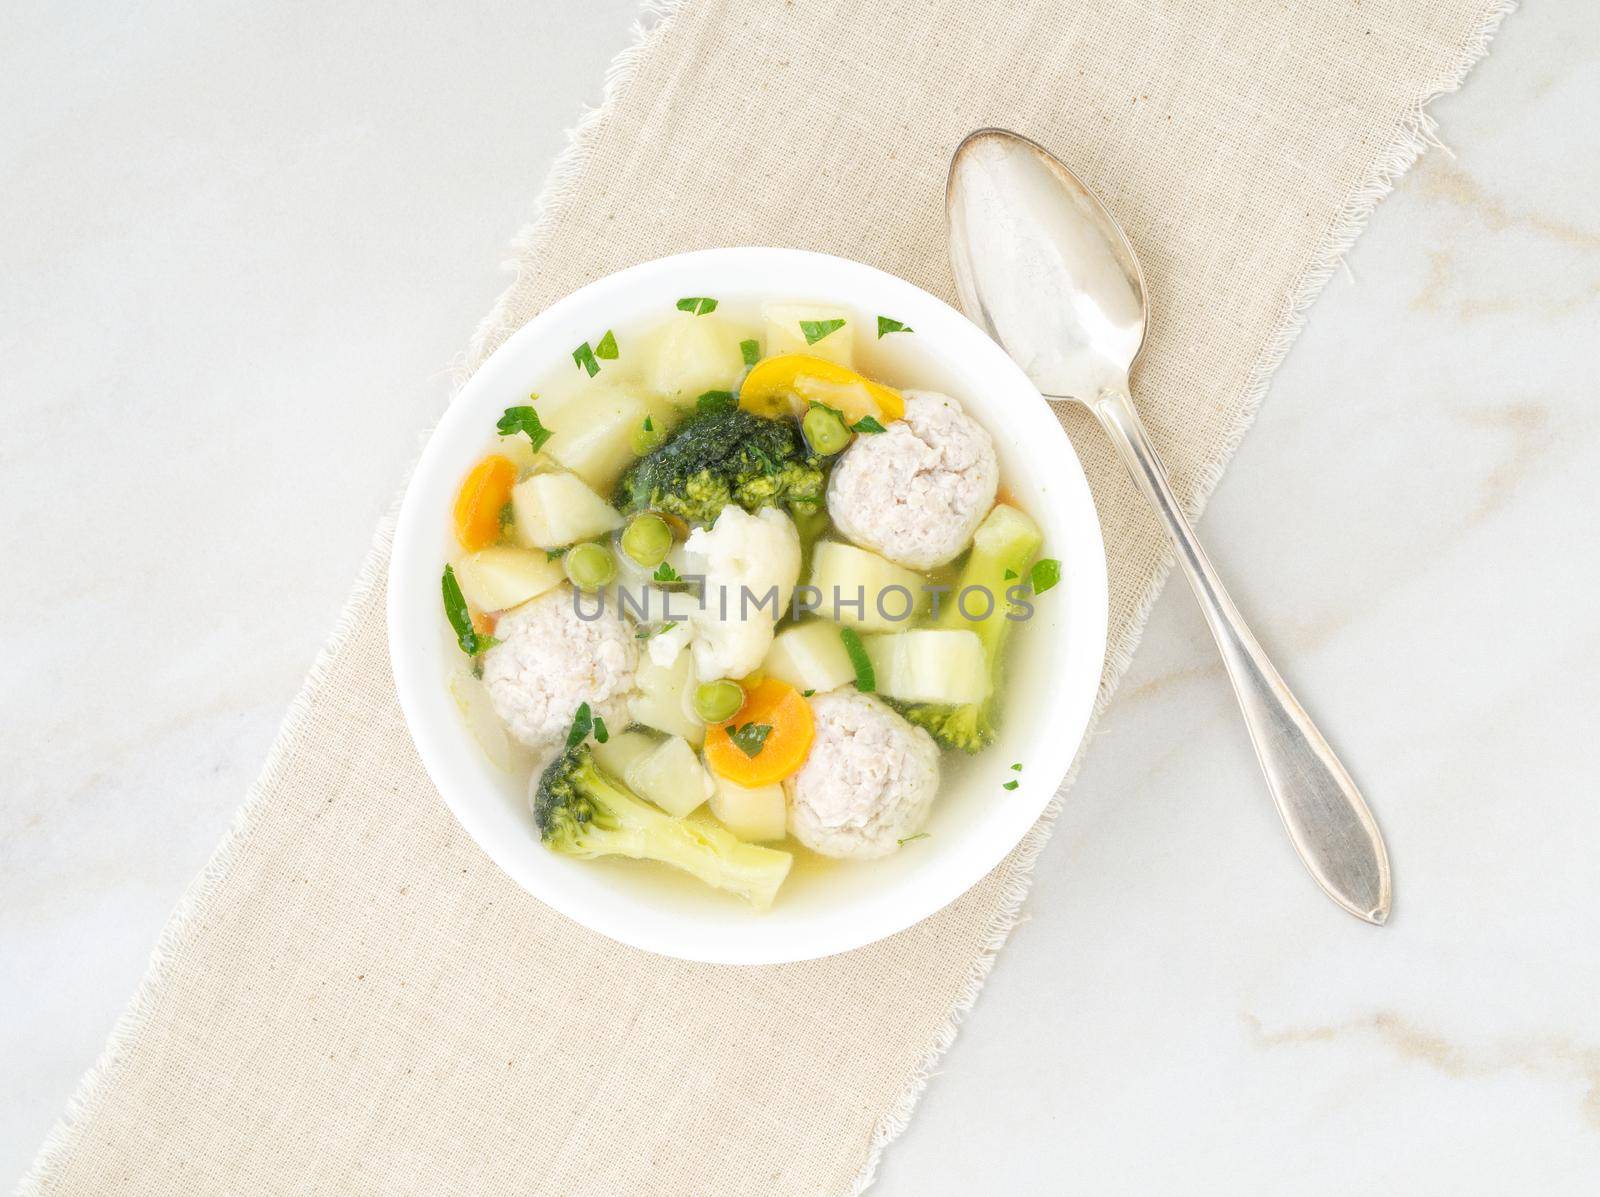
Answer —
1410 527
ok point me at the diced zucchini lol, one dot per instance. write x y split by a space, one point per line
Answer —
784 334
810 656
929 665
691 355
665 696
501 577
672 777
859 588
552 510
594 438
751 814
623 750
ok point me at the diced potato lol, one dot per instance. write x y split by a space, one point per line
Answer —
594 438
552 510
929 665
501 577
623 750
672 777
691 355
752 815
665 698
518 450
864 590
484 723
810 656
784 334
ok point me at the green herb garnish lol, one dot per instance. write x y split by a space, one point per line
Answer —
1011 785
866 680
921 835
646 633
1010 575
649 424
750 738
815 330
1017 768
887 325
584 356
471 640
665 573
556 554
807 693
1046 573
698 304
608 350
582 725
866 424
508 516
751 351
524 419
711 402
601 735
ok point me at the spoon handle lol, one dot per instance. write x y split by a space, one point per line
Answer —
1327 820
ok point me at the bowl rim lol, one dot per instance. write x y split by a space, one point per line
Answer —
1068 713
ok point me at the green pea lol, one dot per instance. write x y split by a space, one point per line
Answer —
648 437
825 431
719 701
647 540
589 566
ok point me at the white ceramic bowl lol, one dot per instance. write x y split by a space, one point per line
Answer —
1053 660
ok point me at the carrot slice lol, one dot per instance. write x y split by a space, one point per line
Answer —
787 384
486 490
778 752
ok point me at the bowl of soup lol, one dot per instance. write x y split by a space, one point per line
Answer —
747 605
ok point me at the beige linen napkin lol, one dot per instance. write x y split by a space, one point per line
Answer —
353 999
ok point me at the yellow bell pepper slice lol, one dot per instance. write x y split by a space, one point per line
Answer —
788 384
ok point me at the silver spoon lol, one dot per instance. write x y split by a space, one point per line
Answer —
1042 266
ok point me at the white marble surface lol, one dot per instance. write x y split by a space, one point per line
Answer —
1411 524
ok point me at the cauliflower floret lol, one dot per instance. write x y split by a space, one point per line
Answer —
550 660
915 492
746 560
868 782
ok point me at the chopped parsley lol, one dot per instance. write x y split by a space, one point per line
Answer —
714 401
471 640
556 554
815 330
582 725
1011 785
807 693
698 304
649 424
866 424
608 350
524 419
921 835
887 325
601 735
584 356
1017 768
1046 573
866 680
665 573
750 738
751 351
508 516
1010 575
646 633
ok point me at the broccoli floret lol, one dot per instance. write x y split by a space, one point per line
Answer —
583 811
722 457
1002 549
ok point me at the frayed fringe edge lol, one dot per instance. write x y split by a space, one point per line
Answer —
1417 132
